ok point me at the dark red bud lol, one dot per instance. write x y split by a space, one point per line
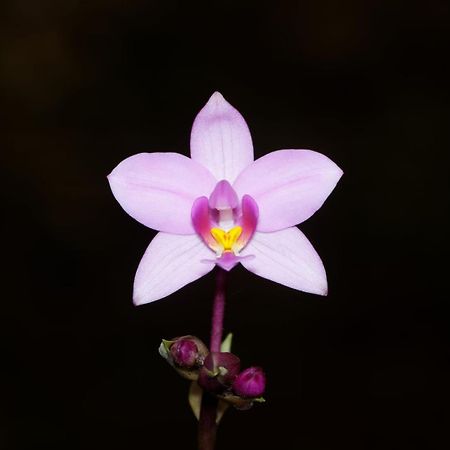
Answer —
250 383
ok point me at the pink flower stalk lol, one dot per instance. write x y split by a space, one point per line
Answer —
222 207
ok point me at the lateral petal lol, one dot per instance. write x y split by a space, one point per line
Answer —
158 189
286 257
202 222
170 262
221 140
248 221
289 186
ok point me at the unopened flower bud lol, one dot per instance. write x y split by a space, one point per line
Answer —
186 354
219 371
250 383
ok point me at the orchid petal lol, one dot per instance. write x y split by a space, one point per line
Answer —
170 262
202 222
158 189
223 196
221 140
286 257
248 221
289 186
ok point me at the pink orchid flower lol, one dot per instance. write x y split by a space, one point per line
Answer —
222 207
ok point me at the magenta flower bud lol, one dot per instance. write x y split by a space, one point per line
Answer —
219 371
250 383
185 353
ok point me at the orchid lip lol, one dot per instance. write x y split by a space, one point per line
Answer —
224 223
228 260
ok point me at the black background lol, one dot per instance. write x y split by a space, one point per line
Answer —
86 84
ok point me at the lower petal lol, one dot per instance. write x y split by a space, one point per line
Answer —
170 262
286 257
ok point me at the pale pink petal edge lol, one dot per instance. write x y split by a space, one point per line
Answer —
169 263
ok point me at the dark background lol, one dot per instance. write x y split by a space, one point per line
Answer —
88 83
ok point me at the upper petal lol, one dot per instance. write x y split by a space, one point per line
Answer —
158 189
286 257
288 186
221 140
170 262
223 196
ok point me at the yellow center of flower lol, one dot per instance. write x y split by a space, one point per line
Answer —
226 239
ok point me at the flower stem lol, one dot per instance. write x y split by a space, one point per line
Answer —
207 426
218 311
